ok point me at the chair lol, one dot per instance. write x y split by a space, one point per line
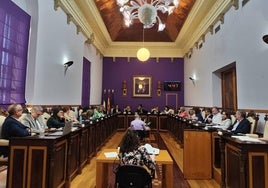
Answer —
132 176
4 144
141 134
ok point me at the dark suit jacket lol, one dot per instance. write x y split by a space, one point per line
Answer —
243 127
13 128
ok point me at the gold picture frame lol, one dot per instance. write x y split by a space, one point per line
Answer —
142 86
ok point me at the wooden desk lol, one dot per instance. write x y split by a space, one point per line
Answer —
102 168
244 164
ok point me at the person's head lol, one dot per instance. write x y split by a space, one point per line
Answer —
208 111
139 107
197 110
36 111
166 108
191 112
182 109
215 110
225 115
239 115
130 141
66 108
15 110
57 112
137 116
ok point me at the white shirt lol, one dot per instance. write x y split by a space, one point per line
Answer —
235 125
216 119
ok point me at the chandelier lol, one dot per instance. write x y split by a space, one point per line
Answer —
146 12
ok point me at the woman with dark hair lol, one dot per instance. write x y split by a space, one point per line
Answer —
131 153
57 119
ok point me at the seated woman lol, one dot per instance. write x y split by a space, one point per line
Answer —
226 120
183 113
57 119
131 153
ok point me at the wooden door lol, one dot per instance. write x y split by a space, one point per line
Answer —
229 92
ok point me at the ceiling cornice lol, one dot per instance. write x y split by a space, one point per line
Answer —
214 15
86 16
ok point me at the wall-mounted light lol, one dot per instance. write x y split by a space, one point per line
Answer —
67 65
265 38
193 80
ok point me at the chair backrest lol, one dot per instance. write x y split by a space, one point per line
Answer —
132 176
141 134
265 132
233 119
252 124
2 119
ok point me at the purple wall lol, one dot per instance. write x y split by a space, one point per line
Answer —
114 73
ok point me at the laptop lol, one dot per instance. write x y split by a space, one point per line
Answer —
66 129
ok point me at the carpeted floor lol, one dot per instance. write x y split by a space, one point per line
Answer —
156 141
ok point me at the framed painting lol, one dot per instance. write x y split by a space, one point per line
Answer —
142 86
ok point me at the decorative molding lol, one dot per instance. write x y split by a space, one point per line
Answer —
221 18
114 59
235 4
157 59
128 59
211 29
91 39
196 45
69 18
203 38
78 29
171 59
56 4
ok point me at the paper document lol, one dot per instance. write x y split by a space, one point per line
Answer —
247 139
110 154
151 150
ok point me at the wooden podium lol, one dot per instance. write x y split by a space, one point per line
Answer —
197 154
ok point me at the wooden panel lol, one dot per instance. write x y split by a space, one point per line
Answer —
163 122
84 147
58 165
37 160
121 121
17 167
73 156
258 172
197 155
154 122
233 178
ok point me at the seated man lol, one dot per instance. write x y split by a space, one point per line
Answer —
34 120
241 125
11 126
138 124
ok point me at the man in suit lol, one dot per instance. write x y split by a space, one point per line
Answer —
34 120
241 125
12 127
